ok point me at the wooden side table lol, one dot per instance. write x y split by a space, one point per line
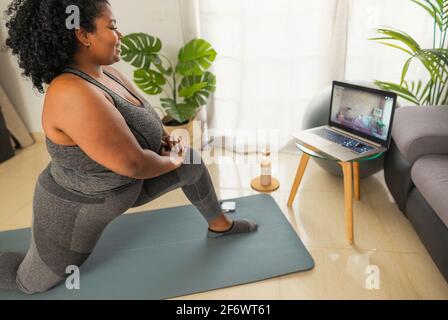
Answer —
350 171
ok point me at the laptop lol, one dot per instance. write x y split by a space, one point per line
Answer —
359 123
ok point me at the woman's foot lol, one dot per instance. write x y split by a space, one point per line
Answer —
224 226
222 223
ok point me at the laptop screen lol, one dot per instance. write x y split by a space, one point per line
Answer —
363 111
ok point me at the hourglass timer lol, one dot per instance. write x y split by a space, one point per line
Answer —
265 182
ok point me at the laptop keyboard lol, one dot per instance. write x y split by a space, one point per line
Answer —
352 144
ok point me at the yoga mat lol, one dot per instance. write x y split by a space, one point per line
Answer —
165 253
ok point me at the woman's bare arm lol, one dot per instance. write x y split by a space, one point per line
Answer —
98 128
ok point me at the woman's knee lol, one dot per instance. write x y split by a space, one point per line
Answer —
30 283
34 276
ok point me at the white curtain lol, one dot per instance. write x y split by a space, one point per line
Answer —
275 55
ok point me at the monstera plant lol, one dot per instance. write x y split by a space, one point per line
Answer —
184 88
435 59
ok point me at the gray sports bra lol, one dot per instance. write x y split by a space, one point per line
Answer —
77 172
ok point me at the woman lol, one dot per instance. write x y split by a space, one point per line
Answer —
108 147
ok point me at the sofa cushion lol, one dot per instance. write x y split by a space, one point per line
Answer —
430 176
419 131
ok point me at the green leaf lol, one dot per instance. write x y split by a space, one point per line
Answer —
181 112
396 46
150 81
197 89
433 62
188 92
405 70
380 38
444 15
444 98
399 90
424 95
140 49
439 57
195 57
419 87
400 36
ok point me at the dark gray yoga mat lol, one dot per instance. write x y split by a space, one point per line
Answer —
165 253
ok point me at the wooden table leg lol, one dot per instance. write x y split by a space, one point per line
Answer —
356 180
348 194
299 174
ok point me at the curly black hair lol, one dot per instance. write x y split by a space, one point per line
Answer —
39 37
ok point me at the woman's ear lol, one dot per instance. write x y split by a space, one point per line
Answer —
83 37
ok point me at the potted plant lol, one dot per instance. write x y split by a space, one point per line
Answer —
184 88
435 59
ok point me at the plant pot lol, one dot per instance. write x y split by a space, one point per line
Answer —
189 131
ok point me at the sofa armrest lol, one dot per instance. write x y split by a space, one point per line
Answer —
397 174
418 131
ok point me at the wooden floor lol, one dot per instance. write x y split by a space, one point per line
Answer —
383 236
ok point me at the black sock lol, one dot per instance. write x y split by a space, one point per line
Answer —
238 226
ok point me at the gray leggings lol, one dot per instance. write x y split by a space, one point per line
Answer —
67 226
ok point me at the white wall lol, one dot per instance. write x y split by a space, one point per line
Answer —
160 18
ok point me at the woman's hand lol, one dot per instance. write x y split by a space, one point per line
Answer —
174 149
169 142
176 156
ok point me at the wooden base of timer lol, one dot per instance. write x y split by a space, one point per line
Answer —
256 184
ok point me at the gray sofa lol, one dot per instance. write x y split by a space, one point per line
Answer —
416 173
